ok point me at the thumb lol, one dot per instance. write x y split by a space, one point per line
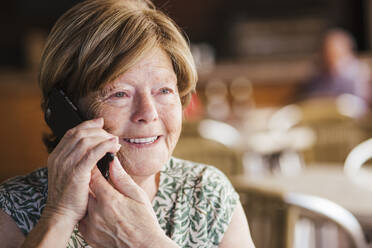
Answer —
124 183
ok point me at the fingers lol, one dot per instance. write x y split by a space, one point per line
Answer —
86 129
95 123
124 183
99 186
95 149
121 181
80 144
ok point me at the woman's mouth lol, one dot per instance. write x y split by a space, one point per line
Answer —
142 141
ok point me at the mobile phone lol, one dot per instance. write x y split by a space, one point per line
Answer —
61 115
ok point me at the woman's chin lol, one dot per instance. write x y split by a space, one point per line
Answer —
141 165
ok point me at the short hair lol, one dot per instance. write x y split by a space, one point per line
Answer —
97 40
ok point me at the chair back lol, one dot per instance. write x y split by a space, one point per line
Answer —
336 133
331 219
286 220
358 156
267 215
192 146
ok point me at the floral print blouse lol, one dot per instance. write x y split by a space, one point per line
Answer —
194 203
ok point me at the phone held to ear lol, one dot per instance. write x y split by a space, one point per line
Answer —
61 115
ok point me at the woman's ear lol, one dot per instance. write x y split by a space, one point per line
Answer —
194 110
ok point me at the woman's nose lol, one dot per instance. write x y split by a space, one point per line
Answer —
145 110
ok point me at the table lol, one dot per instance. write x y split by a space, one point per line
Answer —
325 181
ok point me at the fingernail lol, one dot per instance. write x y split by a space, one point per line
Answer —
118 146
118 167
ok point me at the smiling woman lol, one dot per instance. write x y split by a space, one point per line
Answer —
129 70
142 107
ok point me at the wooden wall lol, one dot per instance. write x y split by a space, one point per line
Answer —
21 128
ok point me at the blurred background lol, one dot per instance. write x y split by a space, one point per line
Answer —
284 91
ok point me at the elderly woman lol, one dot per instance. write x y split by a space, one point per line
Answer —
130 72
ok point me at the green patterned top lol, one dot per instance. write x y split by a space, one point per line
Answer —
194 203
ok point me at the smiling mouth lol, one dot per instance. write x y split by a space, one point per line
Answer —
142 141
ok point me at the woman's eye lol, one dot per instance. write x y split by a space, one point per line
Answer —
165 91
119 94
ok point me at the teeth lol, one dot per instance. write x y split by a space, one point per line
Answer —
143 140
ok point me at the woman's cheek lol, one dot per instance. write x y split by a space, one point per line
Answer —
114 119
171 115
172 104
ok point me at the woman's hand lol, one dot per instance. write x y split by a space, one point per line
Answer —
121 214
70 166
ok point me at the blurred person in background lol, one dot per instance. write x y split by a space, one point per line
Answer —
130 72
340 71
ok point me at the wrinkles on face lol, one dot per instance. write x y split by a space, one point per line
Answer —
143 102
90 106
173 128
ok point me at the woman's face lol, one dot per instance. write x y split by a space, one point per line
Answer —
142 107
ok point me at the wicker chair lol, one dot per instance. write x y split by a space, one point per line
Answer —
336 133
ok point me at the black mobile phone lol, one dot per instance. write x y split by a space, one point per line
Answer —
61 115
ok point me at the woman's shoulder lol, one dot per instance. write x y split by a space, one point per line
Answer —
197 199
24 197
35 181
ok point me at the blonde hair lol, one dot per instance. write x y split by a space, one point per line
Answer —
97 40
